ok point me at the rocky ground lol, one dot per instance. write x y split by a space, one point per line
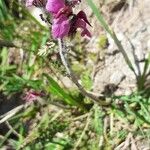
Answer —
131 22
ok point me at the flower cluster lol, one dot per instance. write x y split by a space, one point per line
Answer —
65 22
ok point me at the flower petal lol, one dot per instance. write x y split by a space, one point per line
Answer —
60 27
85 32
83 16
54 6
80 23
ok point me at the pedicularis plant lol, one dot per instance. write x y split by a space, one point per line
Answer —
64 21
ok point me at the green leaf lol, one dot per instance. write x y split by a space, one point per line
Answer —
55 89
53 146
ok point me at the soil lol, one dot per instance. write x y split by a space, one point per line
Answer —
131 22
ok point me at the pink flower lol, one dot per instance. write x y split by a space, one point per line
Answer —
31 96
60 24
64 22
54 6
80 21
66 10
60 27
83 16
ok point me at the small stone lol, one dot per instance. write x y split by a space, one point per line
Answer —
77 124
72 131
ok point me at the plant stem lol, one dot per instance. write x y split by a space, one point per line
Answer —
83 132
71 74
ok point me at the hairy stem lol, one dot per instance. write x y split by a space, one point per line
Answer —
72 76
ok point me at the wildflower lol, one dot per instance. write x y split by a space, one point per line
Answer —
80 21
60 27
54 6
31 96
65 23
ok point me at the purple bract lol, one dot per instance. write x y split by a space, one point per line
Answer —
64 21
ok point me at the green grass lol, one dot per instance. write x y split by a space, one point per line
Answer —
63 119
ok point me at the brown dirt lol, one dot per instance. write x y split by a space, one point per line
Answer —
131 23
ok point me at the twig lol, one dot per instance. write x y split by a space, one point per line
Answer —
56 115
128 141
2 141
11 113
12 129
71 74
83 132
59 105
111 123
80 117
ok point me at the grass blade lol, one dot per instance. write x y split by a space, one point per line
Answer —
55 89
